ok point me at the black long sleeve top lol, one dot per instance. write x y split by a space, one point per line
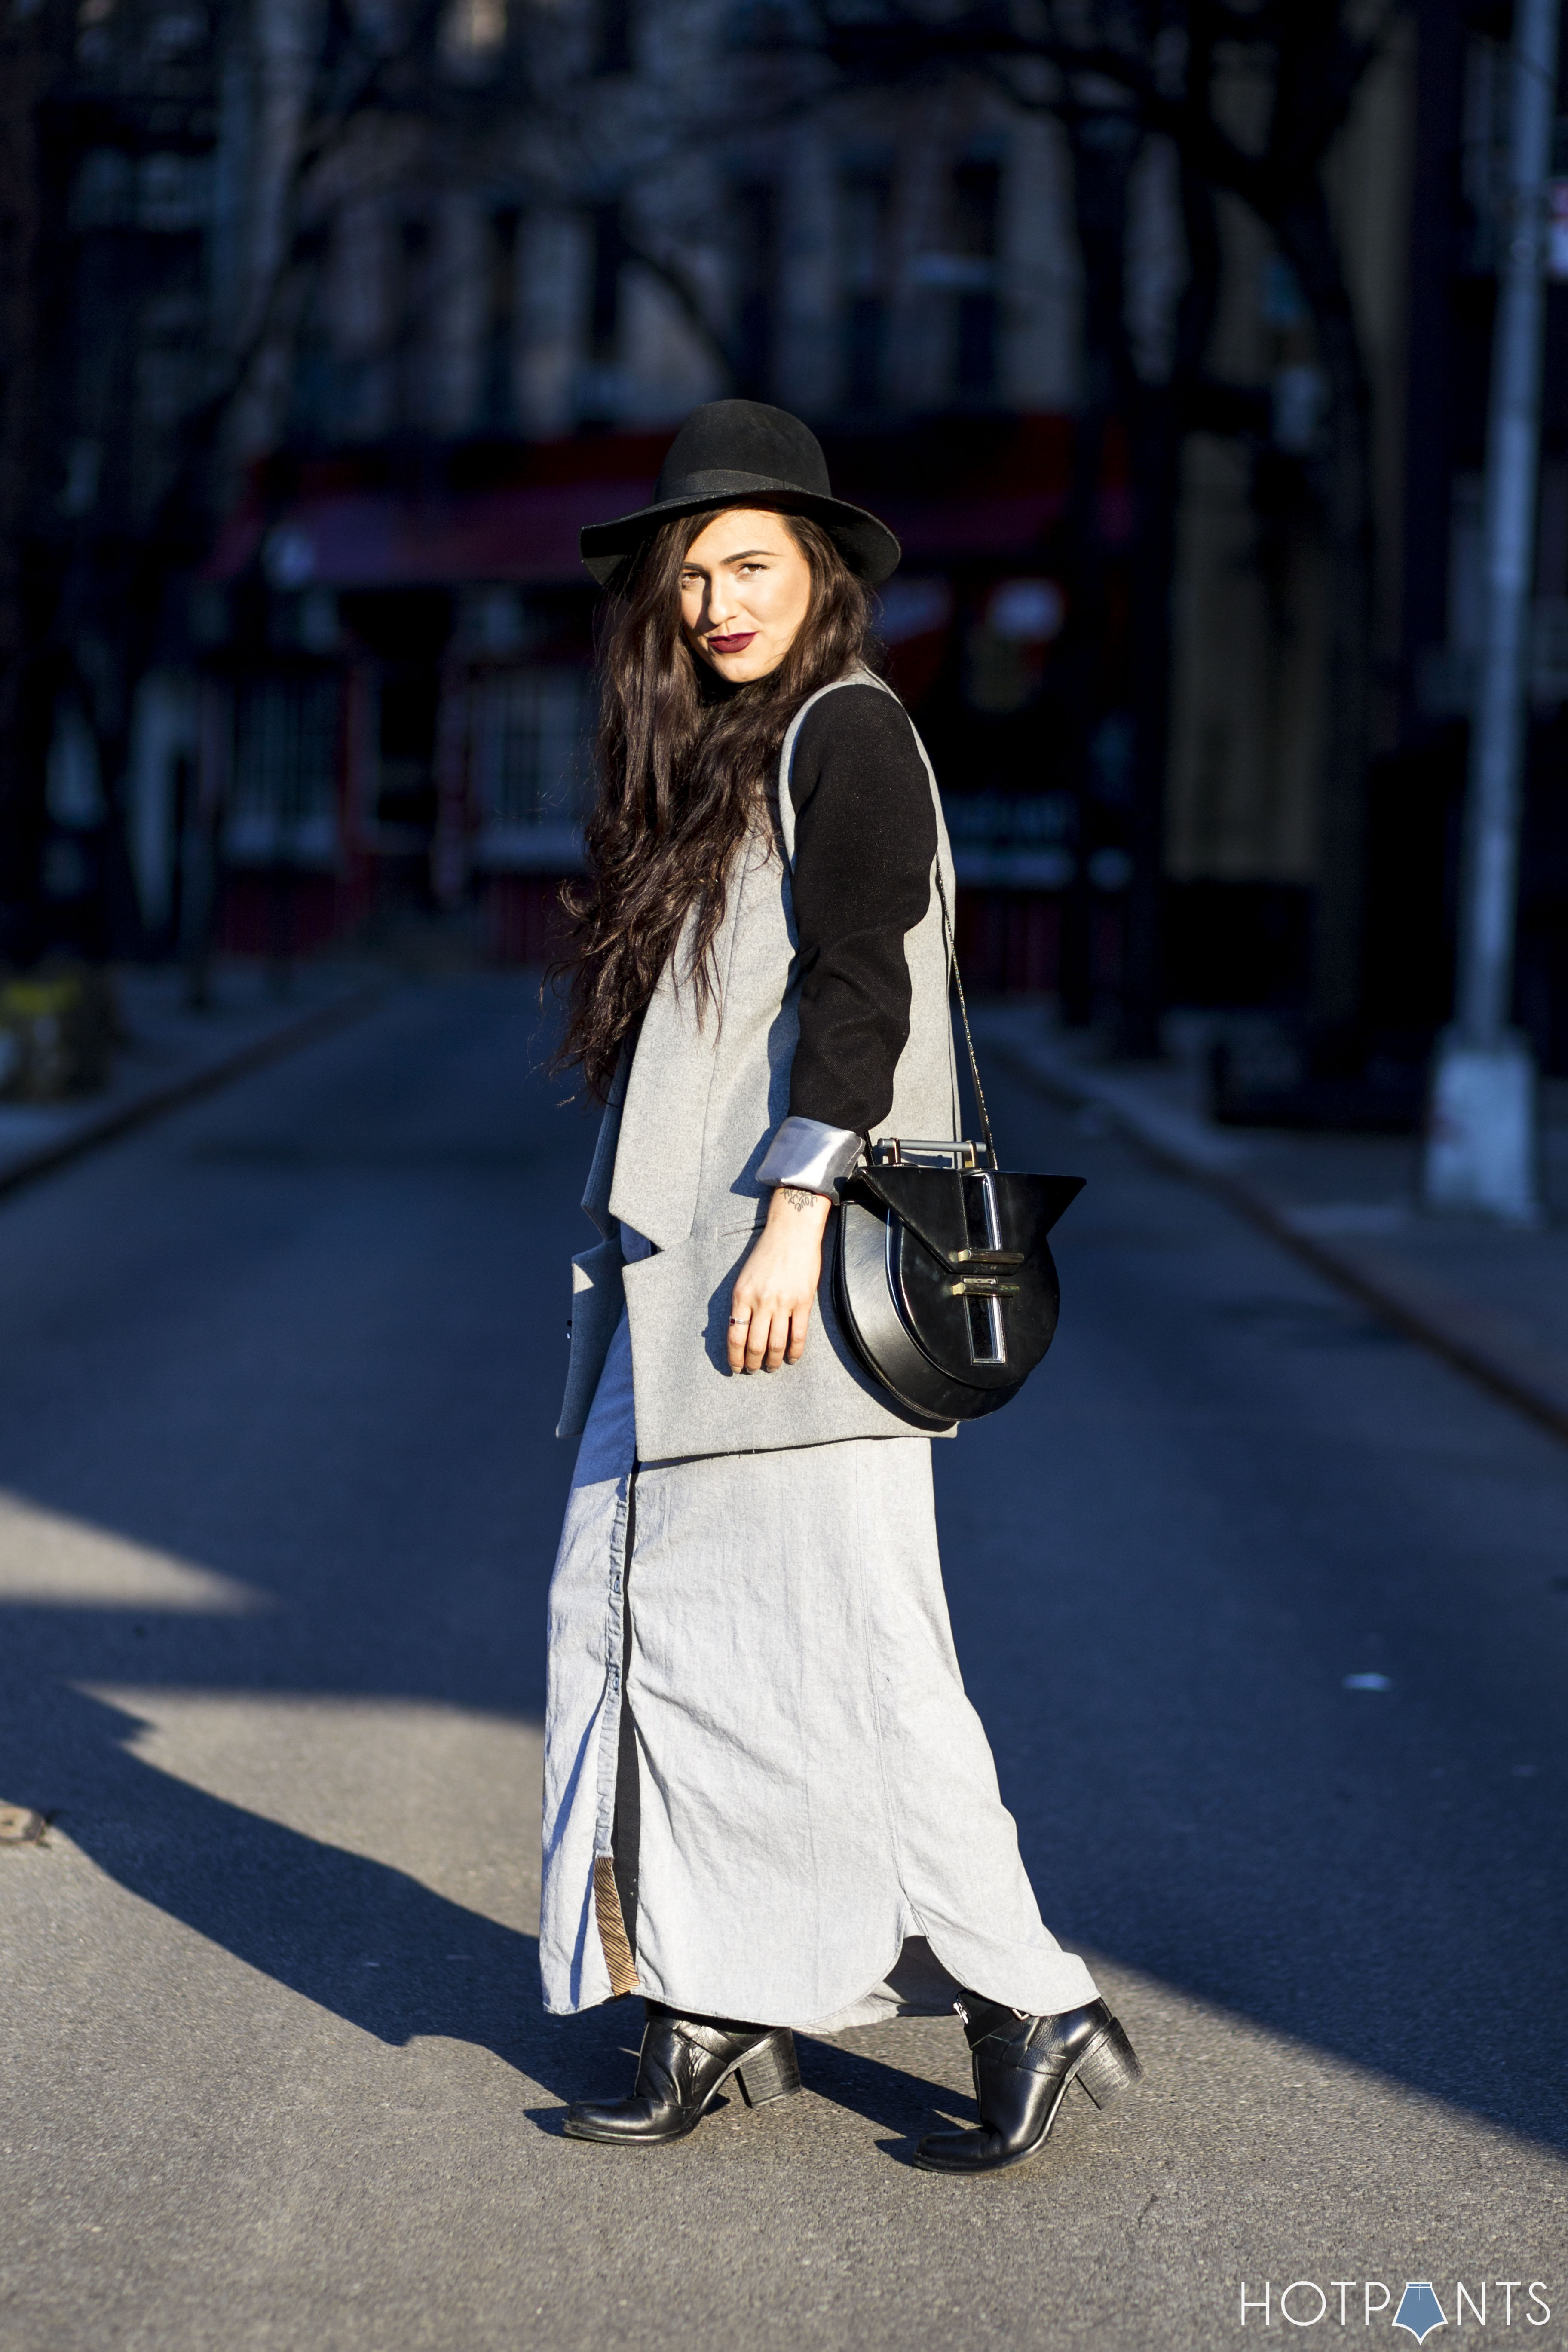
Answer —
865 841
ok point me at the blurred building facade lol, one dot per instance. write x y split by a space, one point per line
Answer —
387 301
496 323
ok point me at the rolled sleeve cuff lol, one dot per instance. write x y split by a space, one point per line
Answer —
810 1155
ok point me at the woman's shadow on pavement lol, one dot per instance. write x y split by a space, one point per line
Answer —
369 1943
366 1941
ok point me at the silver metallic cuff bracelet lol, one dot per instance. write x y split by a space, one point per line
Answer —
811 1156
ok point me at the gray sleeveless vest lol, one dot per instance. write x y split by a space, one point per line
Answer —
682 1137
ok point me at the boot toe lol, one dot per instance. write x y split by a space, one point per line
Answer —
622 2121
964 2151
585 2120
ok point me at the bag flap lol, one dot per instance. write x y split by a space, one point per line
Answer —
929 1201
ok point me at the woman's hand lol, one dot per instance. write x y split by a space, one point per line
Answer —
772 1301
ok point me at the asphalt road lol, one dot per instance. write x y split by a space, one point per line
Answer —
278 1506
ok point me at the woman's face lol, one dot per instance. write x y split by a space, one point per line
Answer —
745 591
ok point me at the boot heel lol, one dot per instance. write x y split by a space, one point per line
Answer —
1110 2066
771 2072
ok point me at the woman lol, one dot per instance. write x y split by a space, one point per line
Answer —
768 1803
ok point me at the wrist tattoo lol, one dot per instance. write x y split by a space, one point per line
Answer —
797 1197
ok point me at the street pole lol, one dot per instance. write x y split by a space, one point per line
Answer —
1481 1147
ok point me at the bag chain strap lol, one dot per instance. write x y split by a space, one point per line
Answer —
947 924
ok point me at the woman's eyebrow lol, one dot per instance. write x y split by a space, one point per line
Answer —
746 555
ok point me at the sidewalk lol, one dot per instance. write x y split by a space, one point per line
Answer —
171 1054
1493 1300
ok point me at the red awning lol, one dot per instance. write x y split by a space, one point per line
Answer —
949 531
377 539
528 535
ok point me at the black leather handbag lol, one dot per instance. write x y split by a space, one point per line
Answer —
942 1276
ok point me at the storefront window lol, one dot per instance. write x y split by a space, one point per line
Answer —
282 803
531 751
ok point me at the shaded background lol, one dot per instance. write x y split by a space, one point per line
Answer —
1161 334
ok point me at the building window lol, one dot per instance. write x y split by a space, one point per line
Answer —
283 801
599 388
176 32
976 223
605 299
612 36
105 194
313 404
497 404
173 192
866 204
409 320
754 205
530 761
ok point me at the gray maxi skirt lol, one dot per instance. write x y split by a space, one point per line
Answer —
821 1839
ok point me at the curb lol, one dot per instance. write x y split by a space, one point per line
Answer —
1160 1143
121 1117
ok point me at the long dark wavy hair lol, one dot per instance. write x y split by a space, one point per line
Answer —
683 779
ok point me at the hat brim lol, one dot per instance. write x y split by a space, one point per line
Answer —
867 545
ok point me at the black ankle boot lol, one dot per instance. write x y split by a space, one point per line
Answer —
685 2061
1022 2069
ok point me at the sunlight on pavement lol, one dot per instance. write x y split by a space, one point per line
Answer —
65 1564
448 1794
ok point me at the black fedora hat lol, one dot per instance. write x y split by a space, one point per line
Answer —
732 452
